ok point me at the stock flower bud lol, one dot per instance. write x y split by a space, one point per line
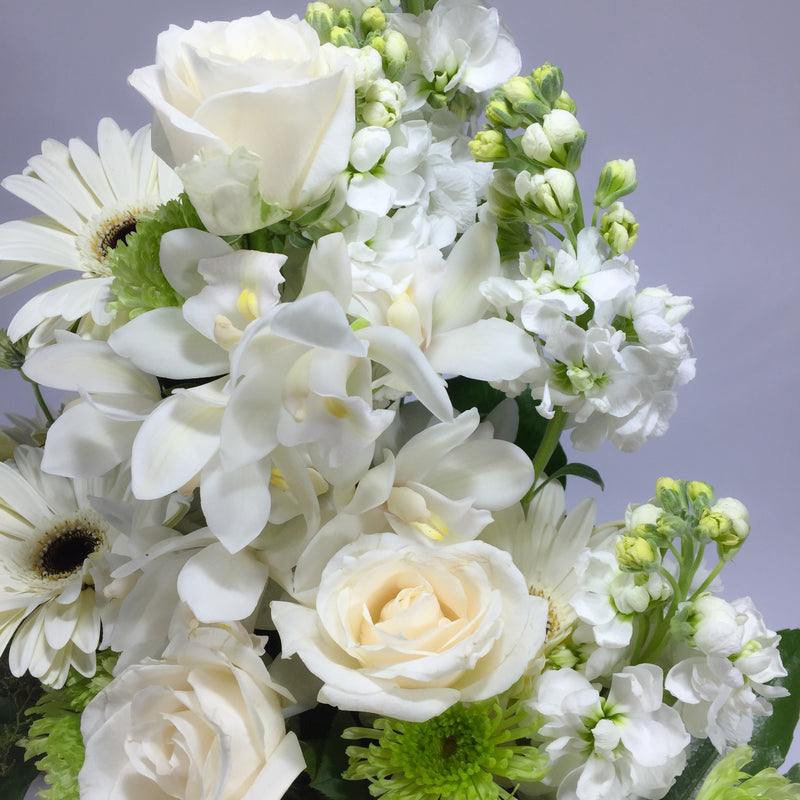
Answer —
383 103
499 112
549 141
342 37
714 524
635 554
566 103
617 178
394 50
502 196
373 19
739 519
551 193
488 146
550 81
518 90
696 488
321 17
619 228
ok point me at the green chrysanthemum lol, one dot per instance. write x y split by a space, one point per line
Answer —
139 284
55 737
455 756
727 781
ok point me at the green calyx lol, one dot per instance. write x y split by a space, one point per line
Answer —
54 738
139 283
457 755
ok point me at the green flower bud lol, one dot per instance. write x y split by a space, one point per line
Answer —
373 19
635 554
518 89
550 81
321 17
566 103
731 536
342 37
557 140
499 112
617 178
395 53
697 488
714 524
488 146
619 228
346 20
727 781
561 657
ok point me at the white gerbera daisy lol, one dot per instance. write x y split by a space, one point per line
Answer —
544 544
89 202
53 544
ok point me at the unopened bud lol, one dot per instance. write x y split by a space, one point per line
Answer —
346 19
503 200
518 90
619 228
635 554
696 488
321 17
552 141
342 37
550 80
736 512
373 19
617 179
488 146
551 193
383 103
499 112
394 50
566 103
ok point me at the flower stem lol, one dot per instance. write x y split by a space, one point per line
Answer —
37 392
547 447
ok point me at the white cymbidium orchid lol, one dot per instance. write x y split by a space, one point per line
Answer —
435 304
226 289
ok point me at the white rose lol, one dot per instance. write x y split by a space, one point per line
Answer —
260 94
406 630
205 721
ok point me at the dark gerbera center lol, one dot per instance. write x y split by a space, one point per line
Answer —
118 231
65 548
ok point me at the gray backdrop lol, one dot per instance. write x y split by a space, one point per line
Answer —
704 96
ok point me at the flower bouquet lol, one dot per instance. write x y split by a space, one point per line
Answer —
299 528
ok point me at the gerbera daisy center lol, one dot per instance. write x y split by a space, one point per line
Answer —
64 547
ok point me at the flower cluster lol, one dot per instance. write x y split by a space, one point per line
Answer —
320 341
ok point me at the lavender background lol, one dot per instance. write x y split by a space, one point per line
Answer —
704 97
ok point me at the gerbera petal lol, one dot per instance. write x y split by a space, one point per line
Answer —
112 148
21 240
88 163
63 180
40 195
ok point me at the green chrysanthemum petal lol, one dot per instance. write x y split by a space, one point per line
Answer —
54 738
139 284
455 756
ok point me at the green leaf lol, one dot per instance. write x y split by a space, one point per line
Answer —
578 470
794 774
326 759
773 735
701 758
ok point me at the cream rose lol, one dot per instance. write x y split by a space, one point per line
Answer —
250 110
406 630
205 721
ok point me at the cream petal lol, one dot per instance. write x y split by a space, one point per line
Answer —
89 165
112 147
40 195
219 586
30 242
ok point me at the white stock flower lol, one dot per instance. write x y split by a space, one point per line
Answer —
628 744
721 680
406 630
463 44
248 110
204 721
90 202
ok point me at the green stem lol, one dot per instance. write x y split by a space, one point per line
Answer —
40 400
559 236
547 447
413 6
707 582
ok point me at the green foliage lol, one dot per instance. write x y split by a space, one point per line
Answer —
139 283
772 736
16 695
54 738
